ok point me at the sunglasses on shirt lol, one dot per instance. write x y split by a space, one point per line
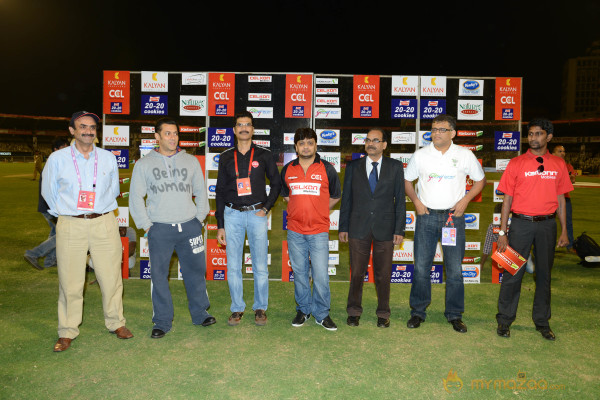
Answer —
541 166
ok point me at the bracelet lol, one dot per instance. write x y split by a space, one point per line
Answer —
265 210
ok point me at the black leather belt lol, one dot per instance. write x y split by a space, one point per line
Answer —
257 206
431 210
89 216
534 218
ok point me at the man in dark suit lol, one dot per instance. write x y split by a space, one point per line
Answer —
373 213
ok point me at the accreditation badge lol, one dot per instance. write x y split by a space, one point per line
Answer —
448 236
86 200
243 187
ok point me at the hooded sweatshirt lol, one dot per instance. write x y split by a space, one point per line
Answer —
169 184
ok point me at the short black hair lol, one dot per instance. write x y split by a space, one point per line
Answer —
58 143
165 121
243 114
446 118
383 133
304 133
543 123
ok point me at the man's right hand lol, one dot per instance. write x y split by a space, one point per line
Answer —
343 237
502 243
221 236
421 209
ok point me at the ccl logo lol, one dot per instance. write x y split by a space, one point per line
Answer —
298 97
507 100
219 261
316 177
116 93
221 96
366 98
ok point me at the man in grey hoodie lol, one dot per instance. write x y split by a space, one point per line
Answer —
168 177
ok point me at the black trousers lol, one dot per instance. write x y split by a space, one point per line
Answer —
522 235
360 251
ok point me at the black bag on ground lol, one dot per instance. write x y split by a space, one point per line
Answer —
588 250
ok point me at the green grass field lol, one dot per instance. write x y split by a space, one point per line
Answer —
279 361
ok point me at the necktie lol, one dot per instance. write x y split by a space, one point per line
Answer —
373 177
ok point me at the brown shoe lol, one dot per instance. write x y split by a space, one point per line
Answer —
62 344
235 318
260 318
123 333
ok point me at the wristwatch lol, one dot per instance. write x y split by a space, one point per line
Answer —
501 233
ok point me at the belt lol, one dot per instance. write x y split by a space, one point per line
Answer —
89 216
534 218
438 211
256 206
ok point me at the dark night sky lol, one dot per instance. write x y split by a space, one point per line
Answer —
53 52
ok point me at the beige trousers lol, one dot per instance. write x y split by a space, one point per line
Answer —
74 237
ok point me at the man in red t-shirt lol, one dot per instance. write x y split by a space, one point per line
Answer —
560 152
534 186
311 187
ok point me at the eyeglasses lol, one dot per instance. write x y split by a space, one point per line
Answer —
243 124
541 161
376 141
441 130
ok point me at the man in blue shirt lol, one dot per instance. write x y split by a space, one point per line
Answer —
80 184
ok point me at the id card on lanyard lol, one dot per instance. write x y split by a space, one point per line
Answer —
86 199
243 184
449 232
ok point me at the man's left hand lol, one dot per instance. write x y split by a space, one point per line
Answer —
563 240
460 207
398 239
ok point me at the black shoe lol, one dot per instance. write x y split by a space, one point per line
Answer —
546 332
300 319
353 320
503 330
383 322
157 334
414 322
458 325
327 323
209 321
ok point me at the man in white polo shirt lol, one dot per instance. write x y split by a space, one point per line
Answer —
441 169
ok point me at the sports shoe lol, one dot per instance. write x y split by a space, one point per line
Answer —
33 262
260 318
327 323
235 318
300 319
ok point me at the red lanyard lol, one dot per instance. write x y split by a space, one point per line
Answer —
237 174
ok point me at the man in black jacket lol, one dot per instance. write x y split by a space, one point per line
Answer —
373 213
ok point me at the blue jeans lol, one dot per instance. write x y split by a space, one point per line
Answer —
47 248
427 233
310 252
185 239
237 224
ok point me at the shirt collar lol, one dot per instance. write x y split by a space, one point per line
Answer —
531 155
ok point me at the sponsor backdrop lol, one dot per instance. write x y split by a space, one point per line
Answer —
341 109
